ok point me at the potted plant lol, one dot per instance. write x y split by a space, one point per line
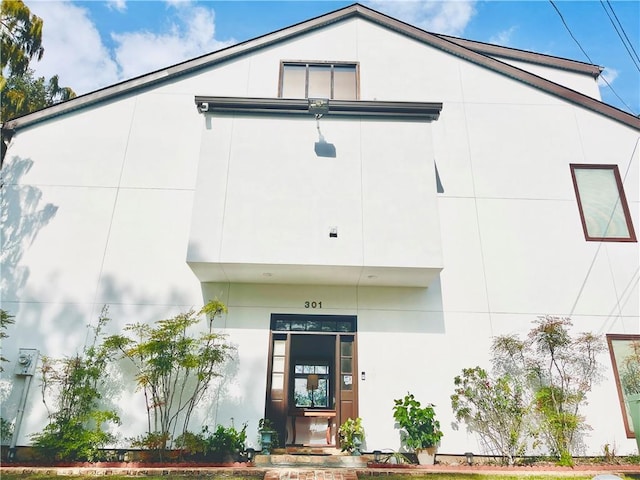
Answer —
268 436
351 435
421 430
630 382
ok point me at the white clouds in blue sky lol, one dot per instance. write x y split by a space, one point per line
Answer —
449 18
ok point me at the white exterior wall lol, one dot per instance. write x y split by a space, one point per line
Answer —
580 82
101 211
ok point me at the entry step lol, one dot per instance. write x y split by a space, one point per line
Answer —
311 461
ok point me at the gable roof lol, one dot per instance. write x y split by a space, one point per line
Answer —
476 52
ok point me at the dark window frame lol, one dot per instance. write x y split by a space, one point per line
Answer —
318 63
613 338
621 196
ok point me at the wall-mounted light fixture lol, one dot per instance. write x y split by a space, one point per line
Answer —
318 106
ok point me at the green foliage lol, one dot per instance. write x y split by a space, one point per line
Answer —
6 431
20 38
154 441
224 442
75 425
495 408
421 429
351 434
6 319
173 368
23 94
558 371
629 371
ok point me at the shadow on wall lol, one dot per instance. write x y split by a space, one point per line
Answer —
21 217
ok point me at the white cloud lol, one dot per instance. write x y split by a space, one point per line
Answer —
75 51
191 34
73 48
445 17
608 74
503 38
120 5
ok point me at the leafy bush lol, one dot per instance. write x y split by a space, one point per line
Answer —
421 429
495 408
351 434
223 444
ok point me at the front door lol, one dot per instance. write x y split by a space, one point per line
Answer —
312 381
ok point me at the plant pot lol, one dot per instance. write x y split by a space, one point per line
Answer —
357 443
266 440
426 456
633 401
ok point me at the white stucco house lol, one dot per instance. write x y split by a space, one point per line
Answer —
434 192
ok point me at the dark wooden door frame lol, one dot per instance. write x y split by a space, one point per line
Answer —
277 401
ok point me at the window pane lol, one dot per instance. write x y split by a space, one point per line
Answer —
322 369
601 207
282 325
278 364
307 398
345 365
347 382
279 347
346 349
319 81
277 381
344 82
293 81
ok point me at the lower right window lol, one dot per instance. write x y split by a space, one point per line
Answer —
625 360
602 203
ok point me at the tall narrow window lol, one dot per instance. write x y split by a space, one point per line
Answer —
602 203
337 81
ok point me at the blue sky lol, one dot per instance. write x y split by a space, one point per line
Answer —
93 44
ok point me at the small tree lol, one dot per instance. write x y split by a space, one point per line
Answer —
559 371
495 408
75 424
174 368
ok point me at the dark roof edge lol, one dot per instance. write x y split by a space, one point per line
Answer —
407 110
437 41
526 56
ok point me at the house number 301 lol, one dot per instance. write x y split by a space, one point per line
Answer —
309 304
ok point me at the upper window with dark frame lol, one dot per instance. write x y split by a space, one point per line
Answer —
338 81
602 203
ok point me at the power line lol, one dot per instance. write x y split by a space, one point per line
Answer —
570 32
622 28
633 59
589 58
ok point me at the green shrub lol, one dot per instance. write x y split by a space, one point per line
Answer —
421 429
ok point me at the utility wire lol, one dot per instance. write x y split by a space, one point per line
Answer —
623 31
589 58
633 59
